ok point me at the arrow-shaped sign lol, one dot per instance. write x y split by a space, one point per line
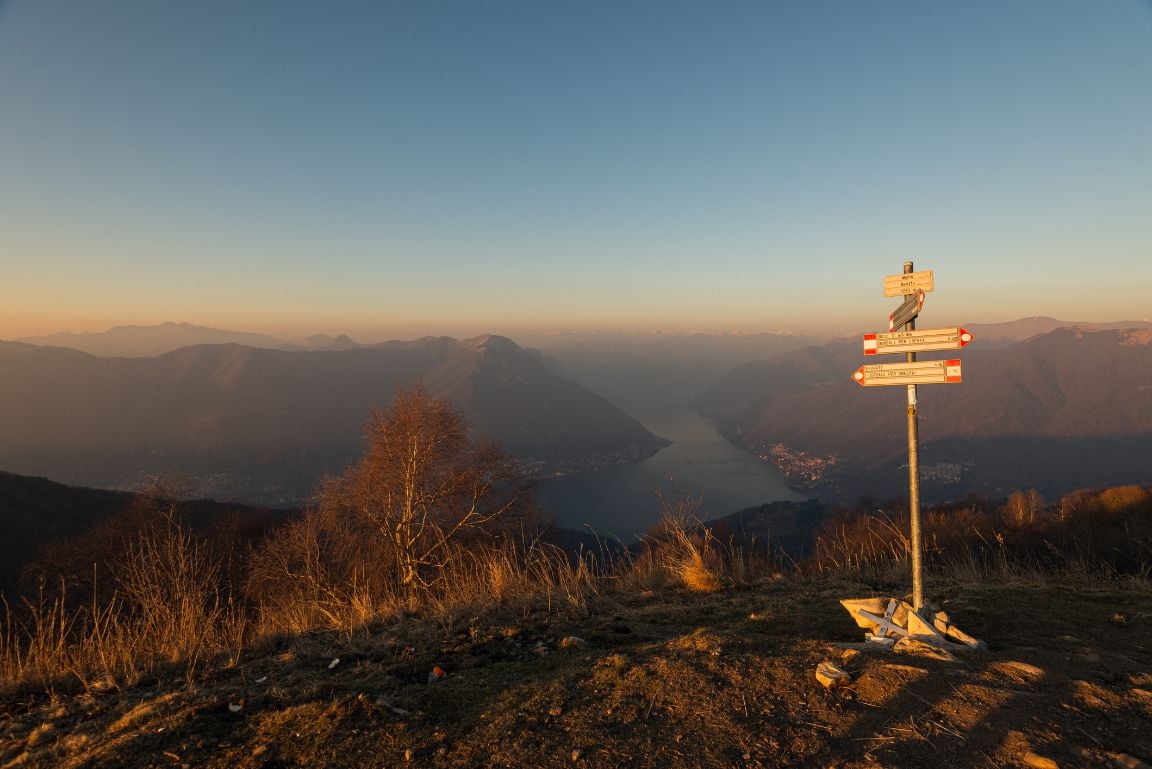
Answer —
920 340
921 372
906 312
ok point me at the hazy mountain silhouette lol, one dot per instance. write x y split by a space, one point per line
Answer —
638 371
145 341
329 342
264 425
1065 409
1009 332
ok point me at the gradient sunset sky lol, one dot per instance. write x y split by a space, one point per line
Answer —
436 166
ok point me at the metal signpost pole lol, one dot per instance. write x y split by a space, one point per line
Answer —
912 286
914 481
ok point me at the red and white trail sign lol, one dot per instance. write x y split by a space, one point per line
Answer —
921 340
919 372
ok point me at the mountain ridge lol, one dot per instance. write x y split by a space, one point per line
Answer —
235 410
1075 396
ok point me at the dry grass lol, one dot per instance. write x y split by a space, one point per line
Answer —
170 604
169 609
1104 534
695 574
682 551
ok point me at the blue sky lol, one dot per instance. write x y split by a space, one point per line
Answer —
400 168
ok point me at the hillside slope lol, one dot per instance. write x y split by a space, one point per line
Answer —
34 511
1062 410
264 425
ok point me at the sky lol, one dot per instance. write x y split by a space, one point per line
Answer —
390 169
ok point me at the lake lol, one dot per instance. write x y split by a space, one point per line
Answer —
622 502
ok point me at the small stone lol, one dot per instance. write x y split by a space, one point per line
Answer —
409 754
1119 619
555 711
577 754
831 676
333 663
1035 761
259 750
573 642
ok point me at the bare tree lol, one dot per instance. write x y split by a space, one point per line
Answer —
1023 507
425 486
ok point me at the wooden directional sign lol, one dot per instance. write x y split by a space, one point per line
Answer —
921 372
913 304
920 340
908 283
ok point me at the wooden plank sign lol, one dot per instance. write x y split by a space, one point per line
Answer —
920 372
908 283
921 340
907 312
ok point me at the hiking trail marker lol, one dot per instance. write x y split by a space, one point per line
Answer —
925 340
923 372
902 337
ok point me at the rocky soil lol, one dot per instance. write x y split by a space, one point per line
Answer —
640 680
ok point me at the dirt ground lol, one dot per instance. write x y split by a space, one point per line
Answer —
669 680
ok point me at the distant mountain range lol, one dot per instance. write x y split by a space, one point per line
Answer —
641 372
1045 403
1065 409
1010 332
263 425
631 370
145 341
148 341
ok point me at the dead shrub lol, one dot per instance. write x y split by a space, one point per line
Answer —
1122 501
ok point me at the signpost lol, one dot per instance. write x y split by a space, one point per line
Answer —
908 283
912 286
927 340
924 372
